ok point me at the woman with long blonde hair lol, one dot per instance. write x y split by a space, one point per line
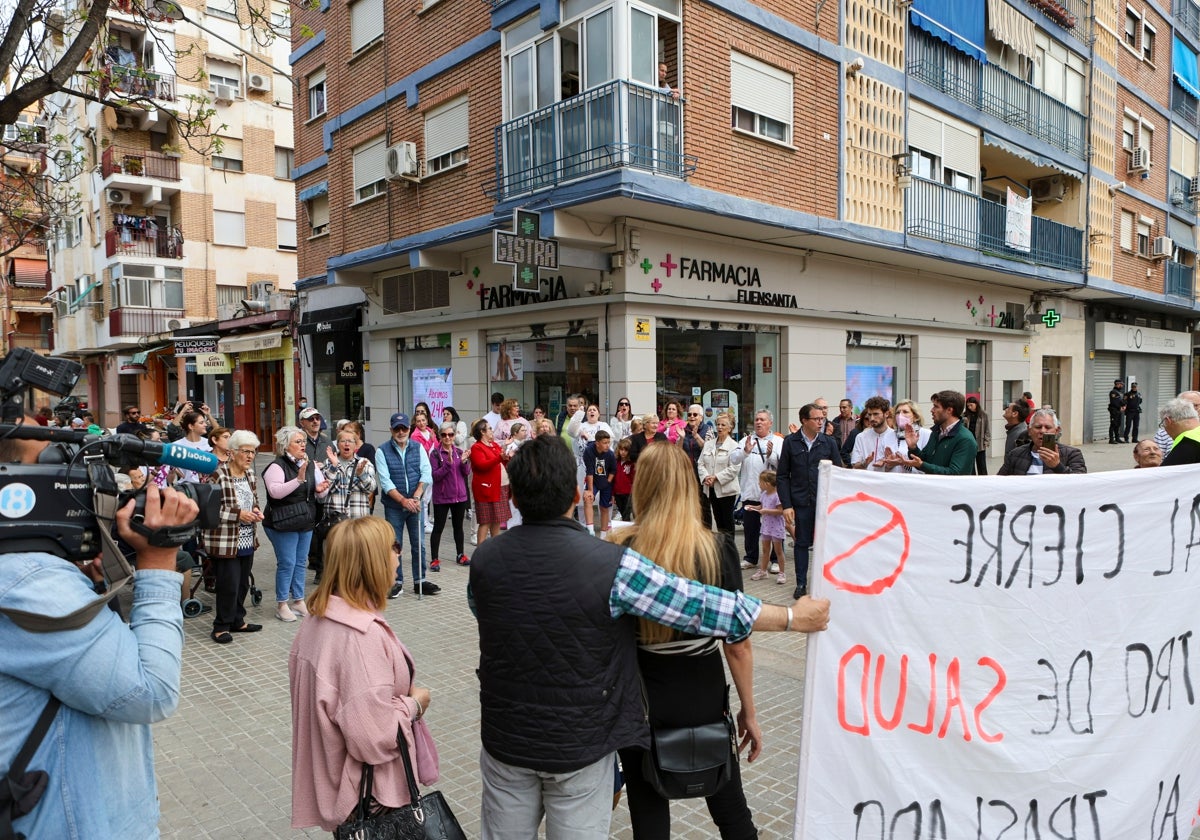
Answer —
683 675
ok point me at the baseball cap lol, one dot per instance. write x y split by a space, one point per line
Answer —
309 412
77 423
399 419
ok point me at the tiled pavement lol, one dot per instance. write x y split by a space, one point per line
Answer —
224 759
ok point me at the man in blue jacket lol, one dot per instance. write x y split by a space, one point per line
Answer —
799 466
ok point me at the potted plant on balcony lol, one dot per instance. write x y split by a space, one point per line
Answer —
171 150
132 165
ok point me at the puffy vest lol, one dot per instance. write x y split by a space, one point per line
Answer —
300 494
405 471
558 677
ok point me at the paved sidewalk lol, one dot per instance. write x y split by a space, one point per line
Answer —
224 759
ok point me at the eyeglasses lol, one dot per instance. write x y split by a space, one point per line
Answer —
622 403
315 417
247 452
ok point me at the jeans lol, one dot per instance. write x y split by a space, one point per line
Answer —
456 510
291 562
577 805
399 519
806 521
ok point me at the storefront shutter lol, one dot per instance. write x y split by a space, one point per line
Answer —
1105 368
1168 387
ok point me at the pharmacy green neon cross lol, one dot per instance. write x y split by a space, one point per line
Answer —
1051 318
525 250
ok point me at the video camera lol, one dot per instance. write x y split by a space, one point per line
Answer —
66 503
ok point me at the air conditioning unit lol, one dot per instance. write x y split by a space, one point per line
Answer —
258 81
261 289
1140 161
126 120
120 197
1052 188
1162 248
1194 188
402 161
224 93
178 323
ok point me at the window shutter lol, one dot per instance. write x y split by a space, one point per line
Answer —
285 233
318 211
366 23
370 163
960 151
229 228
924 133
446 129
760 88
1127 231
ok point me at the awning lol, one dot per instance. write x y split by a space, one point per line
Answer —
27 272
960 23
1181 233
1183 64
83 296
247 343
1026 154
334 319
309 193
1012 28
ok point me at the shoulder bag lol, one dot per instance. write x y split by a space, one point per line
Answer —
295 516
689 762
426 817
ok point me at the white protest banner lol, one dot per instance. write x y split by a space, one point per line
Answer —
1018 221
1007 657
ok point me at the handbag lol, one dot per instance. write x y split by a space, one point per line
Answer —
688 762
427 817
332 517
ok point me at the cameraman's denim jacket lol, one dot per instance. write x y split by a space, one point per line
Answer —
113 680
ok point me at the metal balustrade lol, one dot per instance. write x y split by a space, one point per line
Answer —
944 214
620 124
1179 192
140 242
1187 17
1178 281
135 81
135 320
147 164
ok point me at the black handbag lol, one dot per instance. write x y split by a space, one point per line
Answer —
428 817
332 517
688 762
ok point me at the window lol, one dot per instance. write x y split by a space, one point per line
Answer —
147 286
370 165
285 234
229 157
958 180
1143 236
366 23
1126 231
1183 153
229 228
284 162
224 73
1146 139
230 295
225 8
316 94
1128 132
318 215
761 97
1148 35
924 165
1058 72
446 136
281 18
1133 23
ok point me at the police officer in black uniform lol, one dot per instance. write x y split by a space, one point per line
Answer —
1133 413
1116 405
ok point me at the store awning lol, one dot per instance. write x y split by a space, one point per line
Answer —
1012 28
960 23
1182 234
333 319
27 272
1026 154
246 343
1183 65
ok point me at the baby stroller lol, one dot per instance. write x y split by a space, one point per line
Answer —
201 567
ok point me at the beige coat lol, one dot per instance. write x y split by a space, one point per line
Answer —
714 460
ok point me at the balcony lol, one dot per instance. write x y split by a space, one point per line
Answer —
1179 191
1178 281
991 90
136 321
140 83
944 214
620 124
30 341
1069 14
1184 105
1187 17
145 241
136 163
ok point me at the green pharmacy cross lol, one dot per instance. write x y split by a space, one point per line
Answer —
525 250
1051 318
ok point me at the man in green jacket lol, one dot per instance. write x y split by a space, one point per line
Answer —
951 447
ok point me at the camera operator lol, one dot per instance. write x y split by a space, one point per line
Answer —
112 679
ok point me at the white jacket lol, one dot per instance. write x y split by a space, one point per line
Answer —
764 455
715 460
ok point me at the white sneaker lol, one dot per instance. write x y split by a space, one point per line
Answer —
774 568
284 613
474 537
746 564
299 608
428 527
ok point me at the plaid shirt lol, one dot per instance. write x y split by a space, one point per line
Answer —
222 541
349 491
643 589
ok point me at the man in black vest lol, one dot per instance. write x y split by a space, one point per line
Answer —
316 443
558 679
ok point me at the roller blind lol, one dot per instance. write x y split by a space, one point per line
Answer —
760 88
366 22
446 129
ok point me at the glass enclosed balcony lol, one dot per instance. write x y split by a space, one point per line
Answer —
1179 279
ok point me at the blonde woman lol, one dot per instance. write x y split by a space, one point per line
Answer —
683 675
719 475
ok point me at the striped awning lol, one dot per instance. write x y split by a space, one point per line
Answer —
1012 28
26 272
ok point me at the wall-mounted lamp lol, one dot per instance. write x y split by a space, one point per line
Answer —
854 67
903 170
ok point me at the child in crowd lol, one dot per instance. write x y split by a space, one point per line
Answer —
623 479
772 532
518 433
599 464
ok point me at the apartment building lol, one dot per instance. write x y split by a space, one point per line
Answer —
745 204
174 280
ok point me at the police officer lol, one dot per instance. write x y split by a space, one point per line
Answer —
1133 413
1116 405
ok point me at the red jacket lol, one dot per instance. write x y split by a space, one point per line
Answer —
623 480
486 459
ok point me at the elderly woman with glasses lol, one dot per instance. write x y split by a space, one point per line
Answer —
230 546
451 472
351 477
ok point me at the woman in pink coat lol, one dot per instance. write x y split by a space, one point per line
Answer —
352 685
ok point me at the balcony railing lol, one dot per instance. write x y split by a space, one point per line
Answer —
30 341
141 242
1185 106
120 160
996 92
1187 17
135 81
134 320
1069 14
1179 279
1179 192
934 211
620 124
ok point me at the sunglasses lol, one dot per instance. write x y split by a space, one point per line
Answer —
622 404
448 434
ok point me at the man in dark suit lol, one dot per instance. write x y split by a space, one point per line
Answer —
799 463
1043 454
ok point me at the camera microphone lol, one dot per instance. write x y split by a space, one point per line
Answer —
168 454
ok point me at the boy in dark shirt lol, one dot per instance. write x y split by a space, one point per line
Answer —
599 467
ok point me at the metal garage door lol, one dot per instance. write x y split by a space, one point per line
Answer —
1105 368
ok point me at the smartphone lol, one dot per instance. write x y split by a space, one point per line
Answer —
1049 441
